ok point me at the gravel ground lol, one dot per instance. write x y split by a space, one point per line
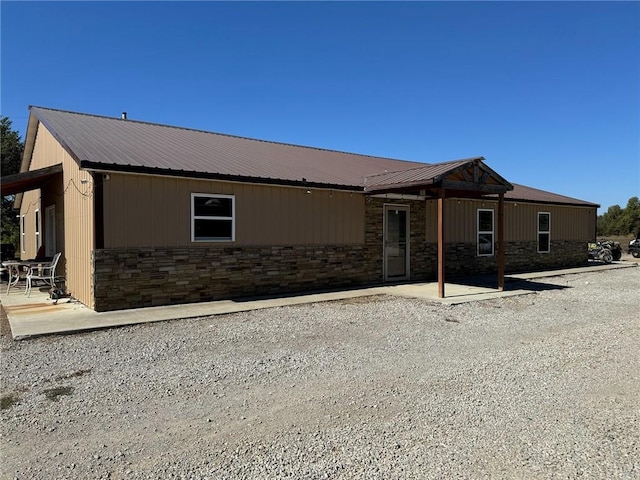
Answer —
545 385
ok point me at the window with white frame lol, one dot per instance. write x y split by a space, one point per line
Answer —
544 232
212 217
23 233
485 232
37 229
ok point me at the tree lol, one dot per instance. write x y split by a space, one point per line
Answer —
632 215
12 148
620 221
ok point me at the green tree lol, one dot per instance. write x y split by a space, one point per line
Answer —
12 148
620 221
632 215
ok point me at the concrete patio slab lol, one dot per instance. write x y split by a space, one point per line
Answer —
37 315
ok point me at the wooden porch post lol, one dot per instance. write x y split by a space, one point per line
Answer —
501 247
441 243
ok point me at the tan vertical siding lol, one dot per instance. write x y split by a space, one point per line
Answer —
30 203
74 213
567 222
147 211
460 219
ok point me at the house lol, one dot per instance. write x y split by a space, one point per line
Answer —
149 214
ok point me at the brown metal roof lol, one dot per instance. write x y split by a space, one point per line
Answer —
110 143
468 178
414 176
107 141
529 194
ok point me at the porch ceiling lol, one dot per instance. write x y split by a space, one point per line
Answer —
25 181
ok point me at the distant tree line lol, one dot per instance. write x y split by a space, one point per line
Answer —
620 221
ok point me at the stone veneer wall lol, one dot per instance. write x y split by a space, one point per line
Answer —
461 258
130 278
524 256
422 254
140 277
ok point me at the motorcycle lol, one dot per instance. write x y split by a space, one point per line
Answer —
616 249
605 251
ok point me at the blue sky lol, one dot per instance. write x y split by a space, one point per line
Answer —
547 92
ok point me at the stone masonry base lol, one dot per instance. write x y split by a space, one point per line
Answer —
131 278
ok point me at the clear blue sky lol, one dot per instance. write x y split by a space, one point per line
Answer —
547 92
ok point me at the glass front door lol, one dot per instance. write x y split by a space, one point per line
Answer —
396 242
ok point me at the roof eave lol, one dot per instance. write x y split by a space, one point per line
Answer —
167 172
552 202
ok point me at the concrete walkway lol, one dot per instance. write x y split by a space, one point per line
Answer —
37 315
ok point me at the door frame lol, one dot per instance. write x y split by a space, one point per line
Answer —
386 208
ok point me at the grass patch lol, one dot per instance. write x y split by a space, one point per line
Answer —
8 400
53 393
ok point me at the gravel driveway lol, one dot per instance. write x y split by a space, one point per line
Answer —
545 385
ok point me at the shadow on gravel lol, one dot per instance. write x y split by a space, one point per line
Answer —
520 284
510 283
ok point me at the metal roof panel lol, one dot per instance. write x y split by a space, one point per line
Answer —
140 146
524 193
115 141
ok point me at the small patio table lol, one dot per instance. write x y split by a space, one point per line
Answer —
15 267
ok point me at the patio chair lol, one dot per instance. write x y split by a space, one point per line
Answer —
46 273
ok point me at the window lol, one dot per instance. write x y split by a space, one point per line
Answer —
485 232
23 234
544 232
212 218
37 229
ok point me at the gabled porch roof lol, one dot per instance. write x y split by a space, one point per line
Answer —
469 177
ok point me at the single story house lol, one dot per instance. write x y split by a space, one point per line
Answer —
147 214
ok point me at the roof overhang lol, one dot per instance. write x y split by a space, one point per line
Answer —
168 172
462 178
30 180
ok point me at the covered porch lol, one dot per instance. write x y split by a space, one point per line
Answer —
42 223
462 179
